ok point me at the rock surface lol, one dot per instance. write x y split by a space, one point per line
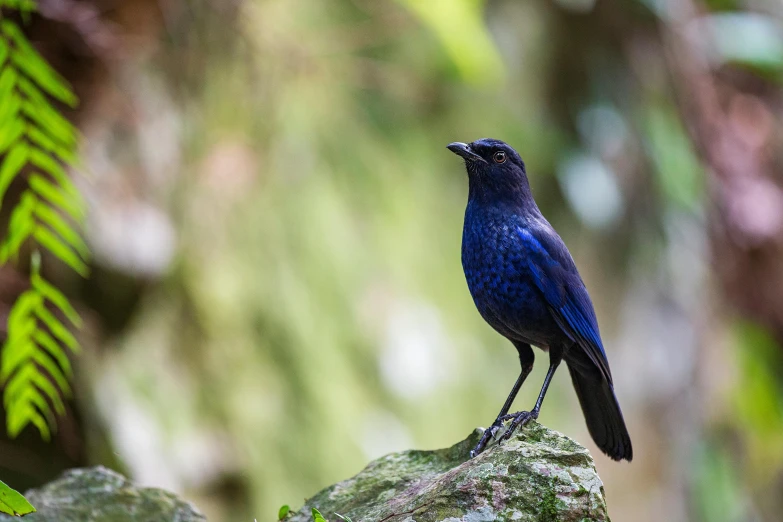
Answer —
101 495
538 475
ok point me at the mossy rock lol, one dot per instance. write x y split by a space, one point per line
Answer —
101 495
538 475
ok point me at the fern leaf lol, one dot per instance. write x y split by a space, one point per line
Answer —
8 79
33 65
46 386
52 218
20 5
16 386
20 417
47 363
39 138
48 343
40 103
47 239
48 164
34 364
54 296
58 330
12 164
10 134
51 122
20 226
25 306
17 352
4 50
56 197
34 396
9 106
10 247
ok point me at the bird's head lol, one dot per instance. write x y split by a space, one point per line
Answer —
495 170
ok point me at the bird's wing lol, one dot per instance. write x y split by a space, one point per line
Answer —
556 276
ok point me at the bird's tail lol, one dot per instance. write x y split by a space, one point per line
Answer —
602 412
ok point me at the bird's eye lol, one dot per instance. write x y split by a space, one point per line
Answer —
499 156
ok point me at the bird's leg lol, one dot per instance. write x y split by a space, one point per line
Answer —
526 358
523 417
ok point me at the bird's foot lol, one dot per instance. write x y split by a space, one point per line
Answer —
489 432
517 419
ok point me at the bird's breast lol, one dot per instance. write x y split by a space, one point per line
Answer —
495 261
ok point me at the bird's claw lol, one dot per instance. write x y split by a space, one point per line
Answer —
517 419
489 432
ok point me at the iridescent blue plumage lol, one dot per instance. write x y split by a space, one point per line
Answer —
526 286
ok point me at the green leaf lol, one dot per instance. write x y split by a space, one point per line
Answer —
50 121
40 102
317 516
52 218
29 61
21 416
20 5
32 396
20 226
3 51
18 384
34 363
12 164
25 306
45 142
48 291
10 134
283 512
47 363
16 354
8 79
31 415
18 351
42 74
12 502
10 104
58 330
13 243
56 196
48 343
19 331
48 164
42 425
47 239
46 386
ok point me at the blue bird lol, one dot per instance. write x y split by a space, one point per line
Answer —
526 286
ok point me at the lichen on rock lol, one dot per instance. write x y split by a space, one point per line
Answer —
538 475
101 495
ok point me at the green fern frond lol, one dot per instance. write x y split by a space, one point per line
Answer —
37 144
35 368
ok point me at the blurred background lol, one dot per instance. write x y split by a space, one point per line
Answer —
277 295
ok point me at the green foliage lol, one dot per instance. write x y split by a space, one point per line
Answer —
12 502
283 511
317 516
758 399
35 139
35 368
460 27
679 173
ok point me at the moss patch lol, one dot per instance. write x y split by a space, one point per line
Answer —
538 475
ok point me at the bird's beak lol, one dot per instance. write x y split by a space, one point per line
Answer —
462 149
